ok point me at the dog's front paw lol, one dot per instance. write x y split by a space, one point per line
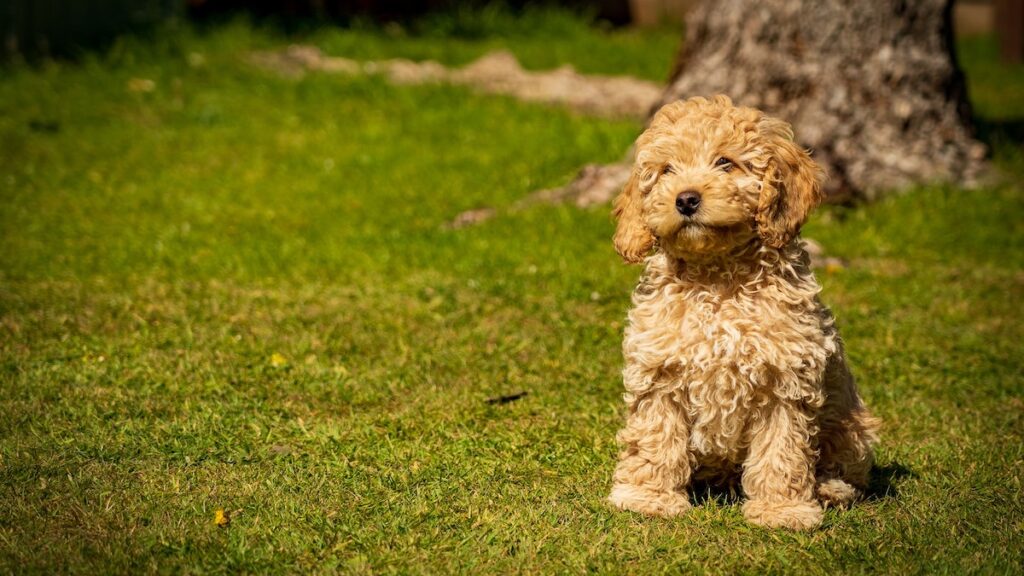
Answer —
792 514
636 499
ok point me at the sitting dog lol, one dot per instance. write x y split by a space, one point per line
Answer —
733 367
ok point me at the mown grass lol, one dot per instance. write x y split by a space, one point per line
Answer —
237 292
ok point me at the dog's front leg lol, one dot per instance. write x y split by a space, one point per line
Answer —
654 466
778 474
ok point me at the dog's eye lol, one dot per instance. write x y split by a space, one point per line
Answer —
724 163
667 169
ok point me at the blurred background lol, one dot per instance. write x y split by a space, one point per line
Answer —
56 27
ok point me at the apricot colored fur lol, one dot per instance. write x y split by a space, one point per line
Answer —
732 364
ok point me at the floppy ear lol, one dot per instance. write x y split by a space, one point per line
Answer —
632 238
791 187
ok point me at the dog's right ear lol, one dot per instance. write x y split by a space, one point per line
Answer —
632 238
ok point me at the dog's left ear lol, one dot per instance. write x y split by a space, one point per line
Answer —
791 187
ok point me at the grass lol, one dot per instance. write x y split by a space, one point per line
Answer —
236 292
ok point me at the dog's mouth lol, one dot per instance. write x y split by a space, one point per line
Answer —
693 237
690 226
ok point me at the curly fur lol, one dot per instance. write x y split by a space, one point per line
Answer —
732 364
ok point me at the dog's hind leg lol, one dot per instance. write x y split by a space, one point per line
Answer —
847 433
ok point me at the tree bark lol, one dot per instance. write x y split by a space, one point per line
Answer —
872 87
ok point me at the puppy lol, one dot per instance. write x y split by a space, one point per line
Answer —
733 367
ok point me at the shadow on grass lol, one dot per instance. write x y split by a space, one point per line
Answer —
883 485
721 493
885 480
1000 131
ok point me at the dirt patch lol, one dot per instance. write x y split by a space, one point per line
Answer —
614 96
495 73
822 261
294 61
595 184
472 218
501 73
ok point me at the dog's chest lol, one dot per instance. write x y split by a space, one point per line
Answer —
725 356
704 333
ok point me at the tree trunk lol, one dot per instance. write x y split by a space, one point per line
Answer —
871 86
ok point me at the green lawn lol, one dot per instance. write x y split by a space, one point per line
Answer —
236 291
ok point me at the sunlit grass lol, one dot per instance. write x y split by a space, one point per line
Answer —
237 291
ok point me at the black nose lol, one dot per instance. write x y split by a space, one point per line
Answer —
688 202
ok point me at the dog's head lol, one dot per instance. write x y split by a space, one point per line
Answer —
709 177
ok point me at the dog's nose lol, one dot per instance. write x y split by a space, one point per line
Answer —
688 202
